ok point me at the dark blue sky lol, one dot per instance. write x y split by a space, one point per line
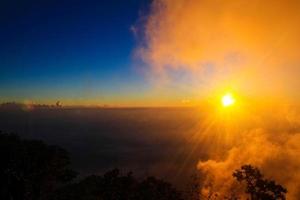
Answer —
68 49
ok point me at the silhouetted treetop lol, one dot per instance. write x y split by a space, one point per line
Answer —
114 186
257 186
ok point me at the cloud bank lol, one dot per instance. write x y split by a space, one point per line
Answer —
226 42
251 46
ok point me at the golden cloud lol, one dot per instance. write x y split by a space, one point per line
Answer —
247 43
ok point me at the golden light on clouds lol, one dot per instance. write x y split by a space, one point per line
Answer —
251 47
252 43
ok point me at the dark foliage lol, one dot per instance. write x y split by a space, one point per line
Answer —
193 188
30 169
257 186
33 170
114 186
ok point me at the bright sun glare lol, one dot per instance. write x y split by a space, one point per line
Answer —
228 100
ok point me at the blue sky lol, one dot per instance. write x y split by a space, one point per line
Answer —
68 49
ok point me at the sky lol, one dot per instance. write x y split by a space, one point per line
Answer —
78 52
166 53
250 47
148 53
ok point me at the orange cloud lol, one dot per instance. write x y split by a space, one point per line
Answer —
252 44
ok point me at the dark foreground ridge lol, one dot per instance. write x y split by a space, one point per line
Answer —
33 170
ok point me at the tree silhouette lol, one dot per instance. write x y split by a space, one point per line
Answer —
153 188
114 186
33 170
257 186
193 189
30 169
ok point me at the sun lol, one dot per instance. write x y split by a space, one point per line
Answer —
228 100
